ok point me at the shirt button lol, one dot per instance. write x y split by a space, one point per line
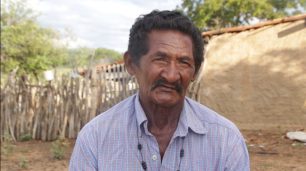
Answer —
154 157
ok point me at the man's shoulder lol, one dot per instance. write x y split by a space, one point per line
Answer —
210 118
118 114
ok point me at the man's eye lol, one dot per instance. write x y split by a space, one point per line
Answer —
187 63
160 59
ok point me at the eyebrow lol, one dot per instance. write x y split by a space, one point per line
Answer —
159 53
186 58
164 55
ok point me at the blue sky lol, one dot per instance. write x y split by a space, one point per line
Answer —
96 23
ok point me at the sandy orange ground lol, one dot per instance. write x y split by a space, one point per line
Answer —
269 151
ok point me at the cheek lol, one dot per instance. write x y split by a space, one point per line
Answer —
145 80
187 76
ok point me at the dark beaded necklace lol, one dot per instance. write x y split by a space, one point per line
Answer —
144 164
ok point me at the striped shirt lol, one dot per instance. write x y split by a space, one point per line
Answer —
109 142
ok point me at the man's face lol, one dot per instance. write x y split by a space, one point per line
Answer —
164 73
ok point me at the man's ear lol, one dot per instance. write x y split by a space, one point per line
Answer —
129 65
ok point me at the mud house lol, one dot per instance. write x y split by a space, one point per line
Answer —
254 74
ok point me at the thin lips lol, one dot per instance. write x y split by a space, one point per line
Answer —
167 86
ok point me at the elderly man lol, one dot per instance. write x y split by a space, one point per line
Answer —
159 128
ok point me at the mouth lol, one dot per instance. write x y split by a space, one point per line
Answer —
168 87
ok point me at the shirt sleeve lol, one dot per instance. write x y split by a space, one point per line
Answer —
84 153
238 158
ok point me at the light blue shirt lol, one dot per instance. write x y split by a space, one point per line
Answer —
109 142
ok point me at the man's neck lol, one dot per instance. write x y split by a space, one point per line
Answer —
162 119
162 122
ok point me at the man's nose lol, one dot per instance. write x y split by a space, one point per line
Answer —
171 73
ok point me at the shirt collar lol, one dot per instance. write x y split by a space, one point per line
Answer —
141 118
188 119
193 122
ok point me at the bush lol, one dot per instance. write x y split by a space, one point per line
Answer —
7 145
25 137
58 149
23 163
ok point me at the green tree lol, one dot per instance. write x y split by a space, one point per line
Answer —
82 56
101 53
79 57
24 44
209 14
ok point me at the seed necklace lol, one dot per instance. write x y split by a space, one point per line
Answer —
144 163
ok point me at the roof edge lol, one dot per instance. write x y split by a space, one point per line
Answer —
255 26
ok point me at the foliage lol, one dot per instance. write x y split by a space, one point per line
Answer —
29 49
25 137
24 44
7 146
79 56
14 12
23 163
298 144
83 55
227 13
58 149
101 53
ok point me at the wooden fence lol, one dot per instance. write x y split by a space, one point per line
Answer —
59 109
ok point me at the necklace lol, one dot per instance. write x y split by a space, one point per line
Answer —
144 163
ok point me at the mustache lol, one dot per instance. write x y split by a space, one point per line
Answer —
162 82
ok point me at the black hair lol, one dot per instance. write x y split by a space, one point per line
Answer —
163 20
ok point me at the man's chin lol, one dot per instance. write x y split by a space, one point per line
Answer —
167 100
166 105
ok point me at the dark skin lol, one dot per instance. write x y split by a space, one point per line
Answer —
164 74
162 123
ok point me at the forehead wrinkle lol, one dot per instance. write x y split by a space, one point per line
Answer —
173 49
170 38
170 42
173 45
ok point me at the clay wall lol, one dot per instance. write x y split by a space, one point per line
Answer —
257 78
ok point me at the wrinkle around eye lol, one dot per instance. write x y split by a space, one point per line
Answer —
186 61
160 57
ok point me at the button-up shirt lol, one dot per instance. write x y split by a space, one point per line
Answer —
110 142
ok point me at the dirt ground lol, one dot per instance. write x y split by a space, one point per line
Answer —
269 151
